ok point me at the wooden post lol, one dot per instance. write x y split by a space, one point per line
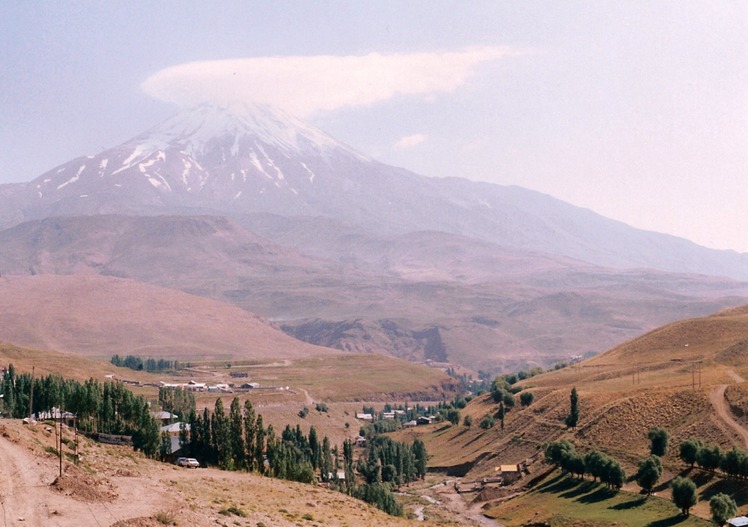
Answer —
31 396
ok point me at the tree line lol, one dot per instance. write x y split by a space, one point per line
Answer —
599 465
734 462
149 364
99 407
233 440
239 440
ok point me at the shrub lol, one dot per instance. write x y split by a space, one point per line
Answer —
526 398
165 518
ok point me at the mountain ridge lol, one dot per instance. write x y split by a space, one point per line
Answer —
232 175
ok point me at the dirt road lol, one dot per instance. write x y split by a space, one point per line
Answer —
717 398
27 497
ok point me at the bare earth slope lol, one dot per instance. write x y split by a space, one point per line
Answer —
425 295
101 316
115 487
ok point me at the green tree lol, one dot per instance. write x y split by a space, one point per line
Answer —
420 457
649 473
556 451
722 507
658 441
574 464
235 435
467 421
684 494
327 469
595 463
453 415
573 418
733 461
688 451
250 430
526 398
613 474
709 457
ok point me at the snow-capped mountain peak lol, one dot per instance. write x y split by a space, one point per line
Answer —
195 130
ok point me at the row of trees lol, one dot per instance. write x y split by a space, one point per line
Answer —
238 440
99 407
732 462
176 401
599 465
149 364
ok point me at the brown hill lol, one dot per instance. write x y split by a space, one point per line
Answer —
423 295
673 377
101 316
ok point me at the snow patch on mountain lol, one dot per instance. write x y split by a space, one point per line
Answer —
73 179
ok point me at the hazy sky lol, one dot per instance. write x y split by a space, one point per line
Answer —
637 110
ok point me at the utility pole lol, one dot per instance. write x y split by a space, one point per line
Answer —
60 446
31 396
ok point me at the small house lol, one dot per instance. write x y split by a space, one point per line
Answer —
56 415
388 416
740 521
410 424
509 474
361 441
423 421
174 428
164 417
172 431
365 417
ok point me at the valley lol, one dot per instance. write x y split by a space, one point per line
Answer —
279 272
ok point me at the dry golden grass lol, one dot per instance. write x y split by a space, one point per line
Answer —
662 378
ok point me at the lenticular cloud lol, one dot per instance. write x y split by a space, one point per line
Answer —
307 85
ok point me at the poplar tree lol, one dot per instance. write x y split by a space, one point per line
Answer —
573 418
250 431
236 438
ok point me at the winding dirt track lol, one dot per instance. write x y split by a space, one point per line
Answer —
20 484
27 499
717 398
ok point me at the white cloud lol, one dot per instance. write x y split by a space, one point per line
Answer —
409 141
307 85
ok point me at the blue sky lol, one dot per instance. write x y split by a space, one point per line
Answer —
637 110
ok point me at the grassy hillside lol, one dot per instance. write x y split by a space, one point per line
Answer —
673 377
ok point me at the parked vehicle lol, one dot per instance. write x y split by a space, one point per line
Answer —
189 462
